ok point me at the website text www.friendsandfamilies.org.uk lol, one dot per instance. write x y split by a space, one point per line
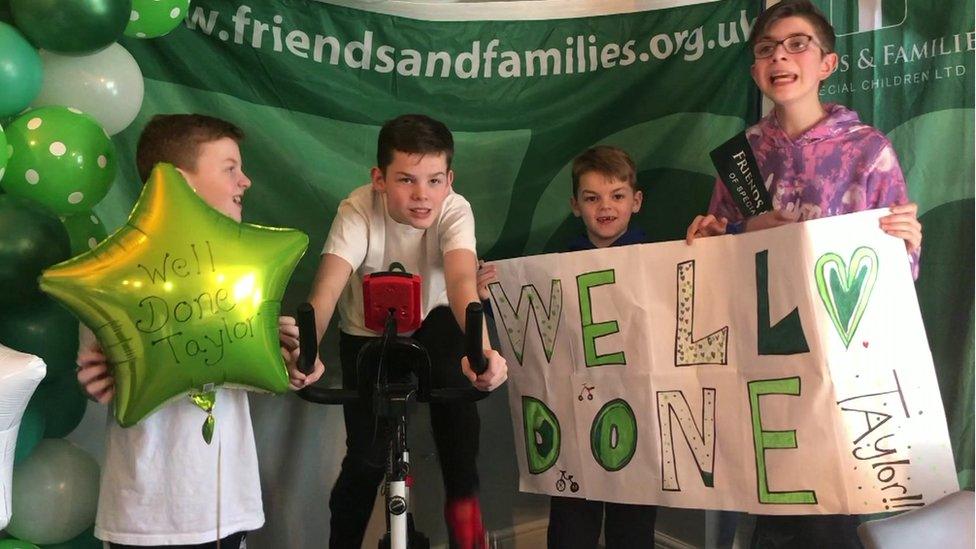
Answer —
485 58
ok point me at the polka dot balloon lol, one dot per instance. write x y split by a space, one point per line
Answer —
61 159
85 231
153 18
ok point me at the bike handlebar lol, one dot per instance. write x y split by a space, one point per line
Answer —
322 395
308 345
473 348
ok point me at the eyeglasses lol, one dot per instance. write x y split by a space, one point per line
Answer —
796 43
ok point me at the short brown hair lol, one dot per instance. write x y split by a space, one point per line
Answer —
413 134
607 161
796 8
176 138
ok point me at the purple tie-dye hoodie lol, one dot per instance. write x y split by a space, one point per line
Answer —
838 166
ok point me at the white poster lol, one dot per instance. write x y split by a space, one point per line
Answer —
779 372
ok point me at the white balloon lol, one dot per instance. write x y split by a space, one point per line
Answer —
106 85
20 374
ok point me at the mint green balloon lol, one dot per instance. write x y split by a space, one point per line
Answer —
62 159
153 18
20 71
54 493
85 230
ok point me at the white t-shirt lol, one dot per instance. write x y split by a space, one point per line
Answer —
160 479
364 234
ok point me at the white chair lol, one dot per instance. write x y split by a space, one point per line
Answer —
946 524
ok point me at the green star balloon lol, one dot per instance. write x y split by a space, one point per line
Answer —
154 18
182 298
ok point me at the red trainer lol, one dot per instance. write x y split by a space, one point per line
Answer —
463 517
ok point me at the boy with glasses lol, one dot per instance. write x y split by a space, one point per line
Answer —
817 159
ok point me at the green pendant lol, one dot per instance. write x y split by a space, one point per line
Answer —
206 401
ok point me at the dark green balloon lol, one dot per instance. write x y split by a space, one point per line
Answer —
45 329
85 540
76 27
63 404
30 241
5 14
30 433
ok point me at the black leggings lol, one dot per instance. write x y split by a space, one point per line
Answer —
806 532
232 541
576 523
456 428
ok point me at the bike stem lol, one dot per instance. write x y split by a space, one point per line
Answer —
397 492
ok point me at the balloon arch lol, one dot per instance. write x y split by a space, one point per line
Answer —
68 86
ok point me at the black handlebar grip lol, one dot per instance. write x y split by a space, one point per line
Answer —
473 319
307 338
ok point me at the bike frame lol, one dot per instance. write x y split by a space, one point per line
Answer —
392 400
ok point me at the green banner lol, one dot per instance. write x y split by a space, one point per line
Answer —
907 68
311 83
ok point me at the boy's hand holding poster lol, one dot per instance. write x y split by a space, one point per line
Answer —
779 372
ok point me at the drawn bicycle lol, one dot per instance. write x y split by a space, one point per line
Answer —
588 390
561 483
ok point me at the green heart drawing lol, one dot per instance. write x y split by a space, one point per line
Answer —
845 289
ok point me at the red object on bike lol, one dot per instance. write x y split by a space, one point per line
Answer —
392 290
464 525
409 481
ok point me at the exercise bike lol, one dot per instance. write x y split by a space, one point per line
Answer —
393 302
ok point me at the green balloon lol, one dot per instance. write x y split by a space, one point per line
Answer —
30 433
11 543
45 329
71 26
153 18
5 14
85 540
30 241
62 403
54 493
85 231
182 297
61 159
20 71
